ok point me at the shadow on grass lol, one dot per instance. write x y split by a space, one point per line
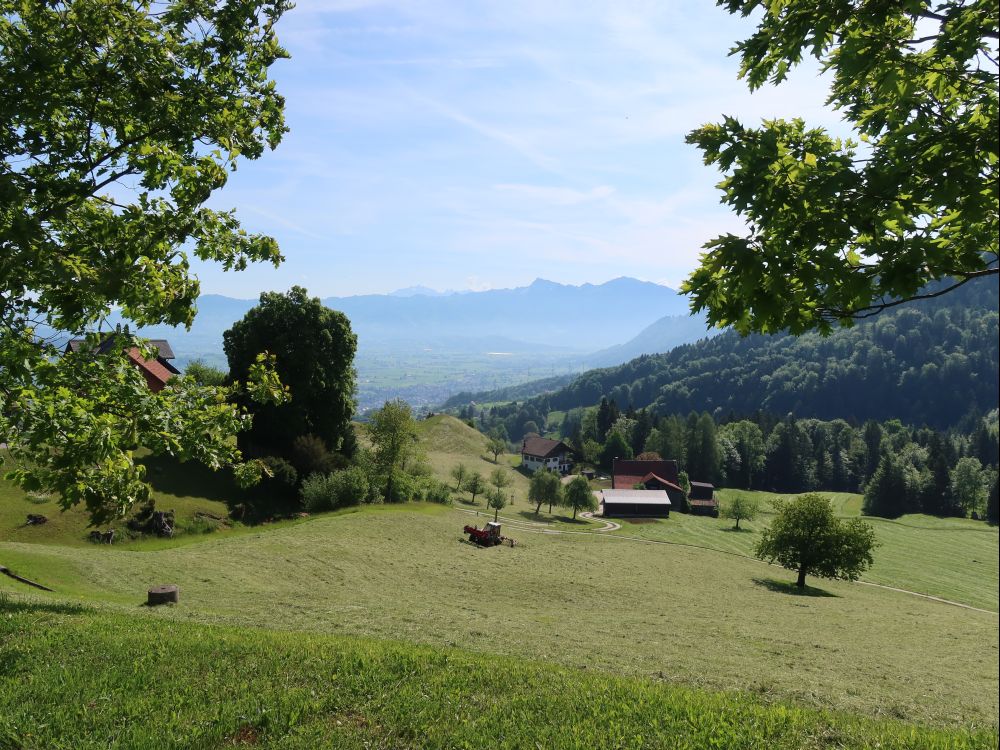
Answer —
190 479
9 605
787 587
734 530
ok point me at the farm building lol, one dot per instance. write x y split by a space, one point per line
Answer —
542 453
652 475
702 499
635 503
157 371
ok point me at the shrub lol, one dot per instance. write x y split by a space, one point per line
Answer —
311 456
437 492
321 492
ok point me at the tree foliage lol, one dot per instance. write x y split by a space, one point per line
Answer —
842 229
118 121
544 487
314 348
579 496
393 433
806 537
741 508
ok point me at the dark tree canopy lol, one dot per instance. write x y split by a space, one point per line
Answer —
806 537
313 347
118 120
838 230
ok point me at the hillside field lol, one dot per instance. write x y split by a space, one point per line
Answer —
625 641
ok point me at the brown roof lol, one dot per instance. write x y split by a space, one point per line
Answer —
543 447
630 472
702 491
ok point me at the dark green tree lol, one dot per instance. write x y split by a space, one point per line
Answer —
993 502
837 231
118 122
544 487
806 537
313 347
615 447
579 496
393 433
741 508
886 491
475 485
704 459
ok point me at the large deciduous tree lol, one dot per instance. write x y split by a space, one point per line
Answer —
806 537
393 432
118 120
313 347
841 229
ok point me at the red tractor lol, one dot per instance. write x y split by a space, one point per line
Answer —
488 536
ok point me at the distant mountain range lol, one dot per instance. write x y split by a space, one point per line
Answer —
932 362
423 345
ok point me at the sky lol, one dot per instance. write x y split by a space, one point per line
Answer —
485 143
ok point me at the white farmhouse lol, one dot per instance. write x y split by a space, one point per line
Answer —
542 453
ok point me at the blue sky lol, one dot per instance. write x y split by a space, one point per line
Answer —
482 144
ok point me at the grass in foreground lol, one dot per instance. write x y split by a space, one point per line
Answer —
687 616
76 678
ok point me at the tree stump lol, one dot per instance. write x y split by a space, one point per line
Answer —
162 595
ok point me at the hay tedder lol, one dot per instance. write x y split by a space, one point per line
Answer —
488 536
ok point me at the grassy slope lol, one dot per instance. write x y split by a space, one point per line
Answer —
187 489
80 679
685 615
953 558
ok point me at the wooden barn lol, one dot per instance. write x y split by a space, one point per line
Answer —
652 475
702 499
635 503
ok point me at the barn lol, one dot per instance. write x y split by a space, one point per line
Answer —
635 503
702 499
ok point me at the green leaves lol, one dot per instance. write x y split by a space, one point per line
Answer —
118 121
834 232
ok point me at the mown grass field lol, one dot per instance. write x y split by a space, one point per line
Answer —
683 615
76 678
608 642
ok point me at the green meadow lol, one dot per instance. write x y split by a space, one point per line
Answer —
381 626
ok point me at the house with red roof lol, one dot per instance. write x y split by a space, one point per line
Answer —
156 370
651 475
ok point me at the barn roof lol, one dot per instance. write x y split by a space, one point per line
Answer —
539 446
630 472
636 497
702 491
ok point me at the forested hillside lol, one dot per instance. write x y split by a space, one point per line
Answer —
932 362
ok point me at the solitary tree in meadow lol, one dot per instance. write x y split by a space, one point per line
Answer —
500 479
475 485
579 496
459 474
496 445
806 537
741 508
496 499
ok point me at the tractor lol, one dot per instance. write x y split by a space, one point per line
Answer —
488 536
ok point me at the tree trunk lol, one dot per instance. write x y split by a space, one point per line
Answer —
737 524
496 513
574 512
801 583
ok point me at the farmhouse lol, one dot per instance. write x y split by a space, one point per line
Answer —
642 503
702 499
157 371
652 475
542 453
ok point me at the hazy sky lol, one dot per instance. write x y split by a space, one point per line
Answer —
482 144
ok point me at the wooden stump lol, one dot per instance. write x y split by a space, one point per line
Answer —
162 595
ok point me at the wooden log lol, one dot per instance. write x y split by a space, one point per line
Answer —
162 595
